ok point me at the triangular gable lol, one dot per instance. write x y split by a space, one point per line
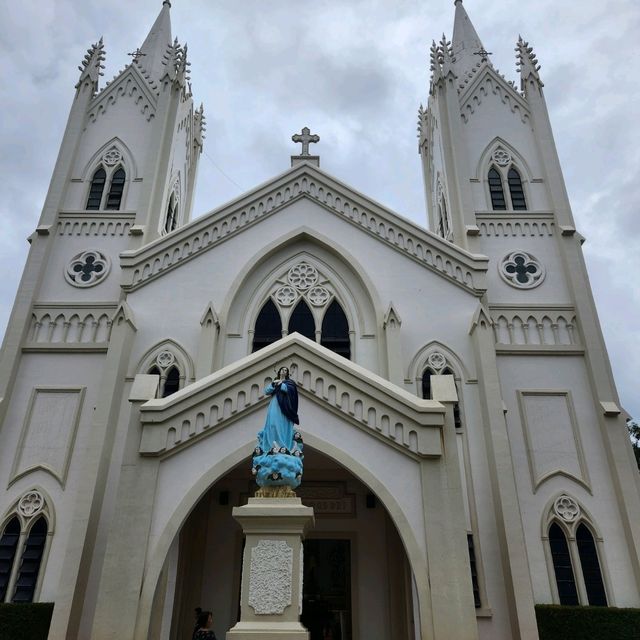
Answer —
305 181
131 84
371 403
488 79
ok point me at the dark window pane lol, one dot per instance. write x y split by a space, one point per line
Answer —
457 416
172 383
268 326
426 385
590 567
8 545
115 192
96 189
496 190
516 190
30 562
302 321
474 571
562 566
335 330
171 221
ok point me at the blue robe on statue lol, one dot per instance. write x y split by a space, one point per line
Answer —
277 459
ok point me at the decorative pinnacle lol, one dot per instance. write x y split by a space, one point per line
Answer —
92 66
527 62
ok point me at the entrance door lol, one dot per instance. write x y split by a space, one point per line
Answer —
326 608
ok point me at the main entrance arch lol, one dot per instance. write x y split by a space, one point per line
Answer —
358 580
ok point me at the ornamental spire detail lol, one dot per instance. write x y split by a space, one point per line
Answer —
527 62
91 67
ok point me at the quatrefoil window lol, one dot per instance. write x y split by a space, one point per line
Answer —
87 269
521 270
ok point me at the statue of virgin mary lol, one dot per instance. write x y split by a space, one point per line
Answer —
277 459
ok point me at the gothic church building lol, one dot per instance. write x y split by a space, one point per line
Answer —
466 451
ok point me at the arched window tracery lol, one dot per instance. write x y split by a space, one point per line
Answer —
110 170
171 364
502 171
574 555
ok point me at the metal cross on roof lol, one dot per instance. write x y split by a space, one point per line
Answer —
136 54
483 53
305 138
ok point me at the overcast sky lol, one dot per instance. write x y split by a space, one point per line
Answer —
354 71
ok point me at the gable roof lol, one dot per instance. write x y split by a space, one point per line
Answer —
363 399
304 180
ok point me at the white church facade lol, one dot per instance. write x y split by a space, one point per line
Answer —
466 453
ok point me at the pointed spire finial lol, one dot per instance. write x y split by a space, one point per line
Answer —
457 2
166 3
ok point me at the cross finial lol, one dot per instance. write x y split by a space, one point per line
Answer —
483 53
305 138
136 54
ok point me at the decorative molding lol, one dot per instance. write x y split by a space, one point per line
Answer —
490 83
49 432
535 326
521 270
384 411
92 224
455 264
552 437
70 325
515 225
270 577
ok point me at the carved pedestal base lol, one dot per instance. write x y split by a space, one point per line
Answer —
271 600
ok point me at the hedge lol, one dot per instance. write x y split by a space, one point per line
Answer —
587 623
25 621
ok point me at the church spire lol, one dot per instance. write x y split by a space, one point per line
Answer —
467 46
151 55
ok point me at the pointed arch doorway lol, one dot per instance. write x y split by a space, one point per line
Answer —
357 583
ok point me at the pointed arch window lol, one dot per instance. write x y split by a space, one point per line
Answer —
116 189
30 563
562 567
590 564
96 189
335 330
171 218
516 190
302 321
268 326
172 382
8 546
496 190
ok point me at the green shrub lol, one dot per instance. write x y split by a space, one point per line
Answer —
25 621
587 623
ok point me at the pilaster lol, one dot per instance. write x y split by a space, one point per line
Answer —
392 327
515 564
91 487
209 333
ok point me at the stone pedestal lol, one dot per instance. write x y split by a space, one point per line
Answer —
271 600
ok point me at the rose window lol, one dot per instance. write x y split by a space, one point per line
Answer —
436 360
521 270
112 157
165 359
87 268
302 276
501 157
31 503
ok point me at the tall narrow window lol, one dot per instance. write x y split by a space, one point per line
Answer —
8 545
95 191
426 385
335 330
474 571
516 190
114 198
268 326
590 567
30 563
302 321
562 567
172 383
171 221
457 416
498 203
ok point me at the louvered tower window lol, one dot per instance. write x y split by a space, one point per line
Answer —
516 190
95 191
114 198
268 326
335 330
498 202
8 546
30 562
171 220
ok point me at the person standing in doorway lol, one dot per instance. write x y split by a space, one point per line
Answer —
204 624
